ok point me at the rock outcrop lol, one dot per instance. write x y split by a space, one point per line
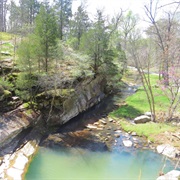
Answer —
168 150
14 122
85 95
13 165
172 175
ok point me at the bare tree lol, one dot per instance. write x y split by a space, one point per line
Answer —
142 54
164 34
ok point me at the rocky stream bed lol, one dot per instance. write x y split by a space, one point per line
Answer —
92 129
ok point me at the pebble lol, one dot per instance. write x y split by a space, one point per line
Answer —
102 126
90 126
118 131
134 134
99 129
111 120
102 121
127 143
117 135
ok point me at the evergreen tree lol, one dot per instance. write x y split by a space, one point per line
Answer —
79 25
27 64
64 13
97 44
22 16
3 10
46 32
14 17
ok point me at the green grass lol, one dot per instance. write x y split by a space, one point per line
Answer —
147 129
6 36
7 48
126 111
138 104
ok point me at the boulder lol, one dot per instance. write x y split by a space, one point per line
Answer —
90 126
168 150
127 143
142 119
133 134
148 114
103 122
172 175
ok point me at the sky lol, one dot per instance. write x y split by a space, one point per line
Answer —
112 7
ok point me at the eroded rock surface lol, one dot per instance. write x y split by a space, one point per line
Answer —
172 175
13 165
14 122
168 150
85 95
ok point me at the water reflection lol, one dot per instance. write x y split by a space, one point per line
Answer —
76 163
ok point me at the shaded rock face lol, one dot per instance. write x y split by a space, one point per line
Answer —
85 95
79 139
14 122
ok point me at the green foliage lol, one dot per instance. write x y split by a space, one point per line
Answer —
22 16
79 25
27 54
6 36
46 33
63 10
24 84
5 84
147 129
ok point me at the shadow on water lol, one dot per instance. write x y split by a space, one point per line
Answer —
79 155
98 111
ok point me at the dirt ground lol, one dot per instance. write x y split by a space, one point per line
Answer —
172 138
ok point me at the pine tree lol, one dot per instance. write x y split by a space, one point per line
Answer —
95 42
3 10
22 16
64 13
46 32
79 25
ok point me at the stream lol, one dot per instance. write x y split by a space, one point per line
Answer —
86 158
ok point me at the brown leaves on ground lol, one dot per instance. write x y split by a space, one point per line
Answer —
172 138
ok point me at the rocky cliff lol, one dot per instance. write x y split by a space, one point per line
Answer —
86 94
14 122
65 105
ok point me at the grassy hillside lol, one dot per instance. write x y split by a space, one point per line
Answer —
137 103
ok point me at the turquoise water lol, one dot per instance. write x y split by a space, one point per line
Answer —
81 164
